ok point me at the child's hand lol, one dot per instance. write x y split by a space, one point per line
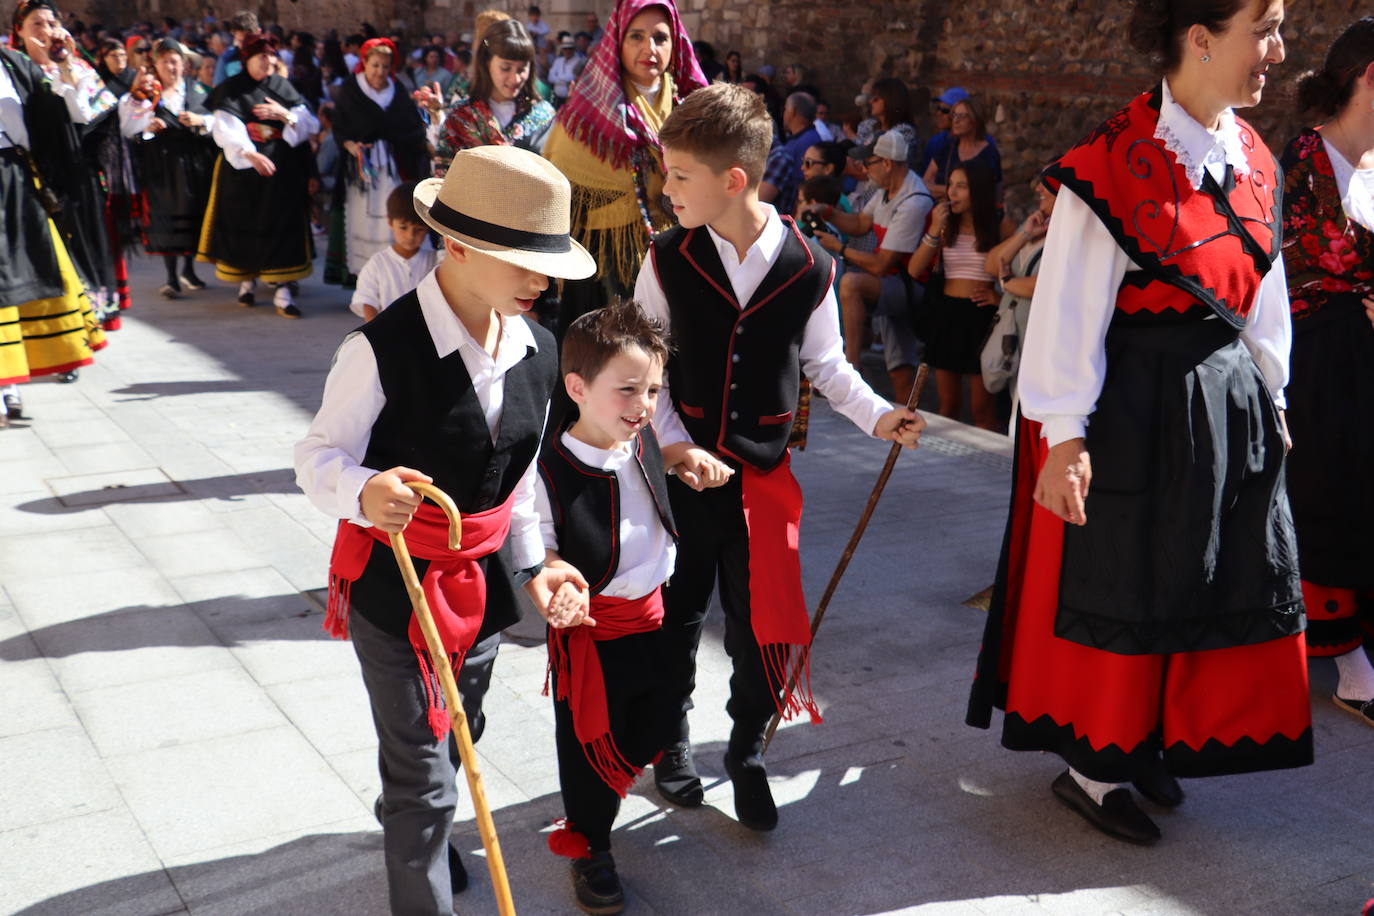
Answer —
387 502
696 467
902 426
561 595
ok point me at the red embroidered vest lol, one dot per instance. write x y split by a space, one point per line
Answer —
1196 249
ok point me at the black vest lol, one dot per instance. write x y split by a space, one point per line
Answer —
433 422
586 505
735 372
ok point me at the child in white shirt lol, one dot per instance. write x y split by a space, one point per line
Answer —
396 270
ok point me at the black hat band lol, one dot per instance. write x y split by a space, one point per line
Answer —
449 218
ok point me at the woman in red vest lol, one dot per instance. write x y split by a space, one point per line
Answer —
1148 622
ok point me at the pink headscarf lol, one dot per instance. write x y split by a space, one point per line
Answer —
597 114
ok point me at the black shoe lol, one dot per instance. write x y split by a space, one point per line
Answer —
1159 786
14 407
192 282
1117 816
676 777
288 311
170 291
67 378
753 799
596 884
1360 709
247 299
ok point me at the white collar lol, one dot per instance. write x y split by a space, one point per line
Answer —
450 334
607 459
767 244
1195 145
382 98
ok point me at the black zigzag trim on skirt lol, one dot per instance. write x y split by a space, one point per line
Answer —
1113 764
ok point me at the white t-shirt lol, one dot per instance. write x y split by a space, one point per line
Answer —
387 277
900 218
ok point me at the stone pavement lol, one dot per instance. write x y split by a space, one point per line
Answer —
177 735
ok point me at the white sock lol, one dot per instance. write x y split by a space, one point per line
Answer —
1096 790
1357 676
10 389
246 287
282 297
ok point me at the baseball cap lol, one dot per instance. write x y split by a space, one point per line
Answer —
891 145
953 96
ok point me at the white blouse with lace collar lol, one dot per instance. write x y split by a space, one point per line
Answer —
1198 148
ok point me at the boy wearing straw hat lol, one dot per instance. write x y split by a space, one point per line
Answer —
449 385
749 303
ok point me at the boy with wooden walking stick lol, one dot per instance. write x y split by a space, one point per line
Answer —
749 303
450 386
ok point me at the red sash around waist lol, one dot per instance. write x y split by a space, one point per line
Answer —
454 586
580 681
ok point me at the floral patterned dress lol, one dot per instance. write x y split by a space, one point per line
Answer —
471 123
1330 263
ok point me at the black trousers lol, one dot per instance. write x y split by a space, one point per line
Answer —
641 710
713 548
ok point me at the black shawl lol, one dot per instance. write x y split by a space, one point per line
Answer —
359 118
239 93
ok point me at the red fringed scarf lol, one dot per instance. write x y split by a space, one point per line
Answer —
777 605
577 673
453 584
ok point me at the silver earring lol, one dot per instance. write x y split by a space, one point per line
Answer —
1205 58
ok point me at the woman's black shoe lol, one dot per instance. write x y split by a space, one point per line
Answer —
1159 786
596 884
1117 816
14 408
192 282
67 378
753 799
676 777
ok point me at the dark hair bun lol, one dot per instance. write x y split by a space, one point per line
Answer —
1150 29
1318 91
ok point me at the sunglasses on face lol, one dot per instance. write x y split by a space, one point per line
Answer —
942 109
870 163
808 163
142 49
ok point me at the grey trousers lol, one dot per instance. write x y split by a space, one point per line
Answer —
419 790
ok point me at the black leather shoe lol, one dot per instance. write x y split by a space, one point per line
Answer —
676 777
66 378
1117 816
1159 786
14 408
753 799
1360 709
596 884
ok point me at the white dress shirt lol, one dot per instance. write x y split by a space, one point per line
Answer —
647 552
328 460
135 115
231 134
16 132
1064 361
822 352
387 277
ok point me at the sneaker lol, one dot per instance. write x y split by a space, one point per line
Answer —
596 884
169 291
192 282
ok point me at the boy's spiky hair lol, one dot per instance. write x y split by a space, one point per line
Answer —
598 336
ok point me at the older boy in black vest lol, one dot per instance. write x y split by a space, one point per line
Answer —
603 507
450 385
748 301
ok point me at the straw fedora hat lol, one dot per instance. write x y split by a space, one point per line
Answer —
509 204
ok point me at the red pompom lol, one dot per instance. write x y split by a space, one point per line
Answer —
1368 908
565 841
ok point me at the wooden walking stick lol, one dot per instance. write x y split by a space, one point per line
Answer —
848 553
439 656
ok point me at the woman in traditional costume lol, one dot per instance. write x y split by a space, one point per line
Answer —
382 138
504 107
605 141
112 66
47 326
1147 621
71 168
257 224
169 126
1328 248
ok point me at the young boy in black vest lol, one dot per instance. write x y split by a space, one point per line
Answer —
749 303
603 507
450 385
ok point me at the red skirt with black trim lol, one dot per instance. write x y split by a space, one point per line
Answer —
1212 712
